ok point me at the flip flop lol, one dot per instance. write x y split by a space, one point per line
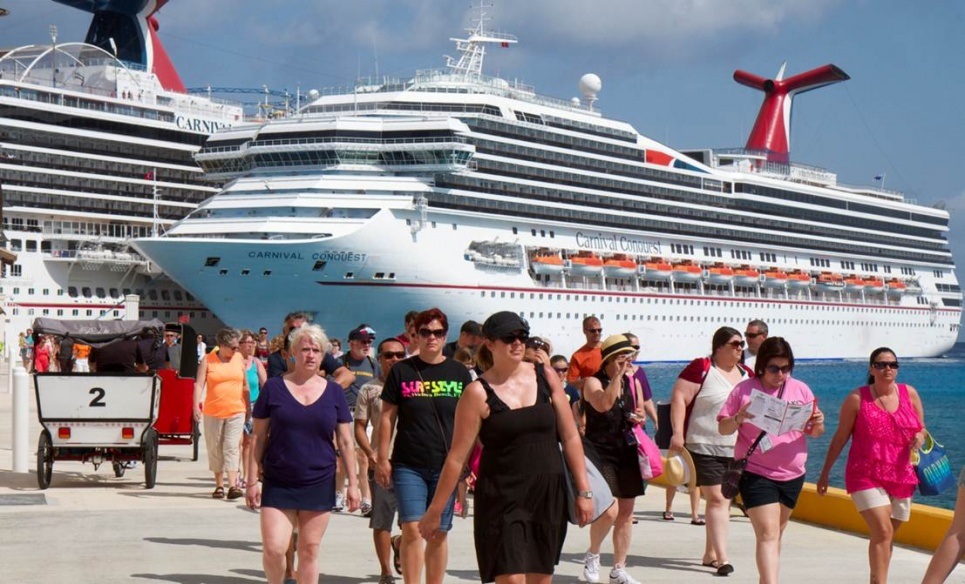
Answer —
725 569
698 521
667 516
711 564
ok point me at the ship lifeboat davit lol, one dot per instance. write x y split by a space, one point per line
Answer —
619 266
874 285
774 279
655 269
912 287
897 288
586 264
686 272
798 280
551 264
746 276
829 282
719 274
853 284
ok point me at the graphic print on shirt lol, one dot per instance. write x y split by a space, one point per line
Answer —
433 388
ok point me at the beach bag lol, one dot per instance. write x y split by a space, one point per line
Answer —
933 470
648 455
602 497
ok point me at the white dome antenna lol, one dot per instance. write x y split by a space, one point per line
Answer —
590 85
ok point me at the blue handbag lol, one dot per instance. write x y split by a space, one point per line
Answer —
933 470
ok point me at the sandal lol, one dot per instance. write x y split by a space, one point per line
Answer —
698 521
725 569
668 516
711 564
218 493
235 493
396 543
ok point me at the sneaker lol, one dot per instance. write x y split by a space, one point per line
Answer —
339 502
620 576
366 508
591 567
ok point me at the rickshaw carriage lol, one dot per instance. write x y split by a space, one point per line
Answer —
175 422
97 417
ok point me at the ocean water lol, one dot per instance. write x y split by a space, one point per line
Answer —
939 381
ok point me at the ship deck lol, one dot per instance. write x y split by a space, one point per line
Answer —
178 533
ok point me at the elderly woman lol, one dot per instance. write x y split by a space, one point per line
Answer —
420 394
520 413
291 472
221 377
885 422
611 408
696 399
774 475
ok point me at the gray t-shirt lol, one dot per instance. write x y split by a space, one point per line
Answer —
365 370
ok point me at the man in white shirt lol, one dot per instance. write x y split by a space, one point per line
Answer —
754 334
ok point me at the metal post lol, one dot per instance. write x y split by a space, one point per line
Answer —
21 410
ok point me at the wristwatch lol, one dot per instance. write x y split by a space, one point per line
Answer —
585 494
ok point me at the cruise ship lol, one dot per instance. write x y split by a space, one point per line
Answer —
477 194
96 147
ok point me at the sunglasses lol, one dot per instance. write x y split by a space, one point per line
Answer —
752 335
736 344
437 333
561 370
393 355
510 339
595 331
232 347
882 365
774 369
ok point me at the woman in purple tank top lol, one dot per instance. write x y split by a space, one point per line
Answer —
885 422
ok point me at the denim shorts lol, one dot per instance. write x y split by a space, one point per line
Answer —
414 489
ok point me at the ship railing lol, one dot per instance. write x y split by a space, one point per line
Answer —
457 140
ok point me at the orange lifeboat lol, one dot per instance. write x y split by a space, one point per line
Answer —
586 263
798 280
896 288
619 266
686 271
547 263
854 284
774 278
746 276
874 285
656 269
829 282
719 274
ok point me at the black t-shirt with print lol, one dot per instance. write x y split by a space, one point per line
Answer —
415 386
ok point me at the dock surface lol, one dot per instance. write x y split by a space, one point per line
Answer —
92 527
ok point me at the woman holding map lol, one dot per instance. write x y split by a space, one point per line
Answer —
774 475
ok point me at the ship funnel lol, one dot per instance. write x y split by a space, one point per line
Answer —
124 19
772 130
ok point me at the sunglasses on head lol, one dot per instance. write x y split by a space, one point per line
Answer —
774 369
882 365
736 344
393 354
425 333
512 338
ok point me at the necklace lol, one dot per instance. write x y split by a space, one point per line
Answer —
878 397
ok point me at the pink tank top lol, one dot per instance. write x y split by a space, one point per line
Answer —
880 454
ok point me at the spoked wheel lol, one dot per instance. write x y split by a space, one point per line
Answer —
119 469
149 448
45 460
195 438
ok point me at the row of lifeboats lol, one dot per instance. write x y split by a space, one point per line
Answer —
687 271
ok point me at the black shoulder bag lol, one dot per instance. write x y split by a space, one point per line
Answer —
730 484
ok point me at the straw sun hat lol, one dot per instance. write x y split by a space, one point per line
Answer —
678 470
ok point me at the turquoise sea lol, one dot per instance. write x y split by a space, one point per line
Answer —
940 381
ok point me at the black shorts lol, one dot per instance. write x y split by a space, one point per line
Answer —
710 469
756 490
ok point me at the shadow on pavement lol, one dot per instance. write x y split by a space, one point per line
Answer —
245 546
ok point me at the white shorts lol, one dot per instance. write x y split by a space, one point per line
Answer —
878 497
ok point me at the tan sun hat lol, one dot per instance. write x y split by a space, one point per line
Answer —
678 470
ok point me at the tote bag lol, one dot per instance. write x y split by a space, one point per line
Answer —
602 498
933 470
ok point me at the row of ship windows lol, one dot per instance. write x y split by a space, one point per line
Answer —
334 157
103 313
66 144
769 216
71 198
722 319
768 236
102 293
68 161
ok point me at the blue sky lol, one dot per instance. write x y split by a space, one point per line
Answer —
666 66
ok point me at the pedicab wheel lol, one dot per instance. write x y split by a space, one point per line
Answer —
119 469
195 439
150 457
45 460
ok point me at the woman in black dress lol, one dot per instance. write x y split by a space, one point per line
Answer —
521 414
610 416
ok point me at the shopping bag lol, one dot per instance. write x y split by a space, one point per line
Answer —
648 455
933 469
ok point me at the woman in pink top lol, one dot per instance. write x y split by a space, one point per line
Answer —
774 475
885 422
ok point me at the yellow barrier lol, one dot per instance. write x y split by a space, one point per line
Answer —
835 510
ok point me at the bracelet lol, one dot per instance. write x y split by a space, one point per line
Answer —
251 483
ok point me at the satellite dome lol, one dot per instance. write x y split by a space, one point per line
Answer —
313 94
590 85
575 101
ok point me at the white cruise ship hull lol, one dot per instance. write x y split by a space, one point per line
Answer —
255 283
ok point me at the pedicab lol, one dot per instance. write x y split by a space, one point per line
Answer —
175 422
97 417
